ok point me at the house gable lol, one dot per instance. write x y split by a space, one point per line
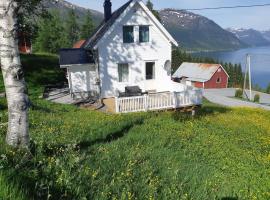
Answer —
218 80
108 28
222 68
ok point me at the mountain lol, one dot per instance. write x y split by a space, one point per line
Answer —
250 36
192 31
196 32
266 34
63 7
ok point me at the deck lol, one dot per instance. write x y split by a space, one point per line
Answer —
159 101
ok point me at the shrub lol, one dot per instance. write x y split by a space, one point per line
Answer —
257 98
268 89
239 93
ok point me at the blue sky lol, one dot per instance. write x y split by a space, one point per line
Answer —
257 17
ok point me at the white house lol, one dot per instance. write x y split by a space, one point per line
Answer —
130 48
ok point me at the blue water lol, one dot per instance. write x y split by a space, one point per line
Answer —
260 62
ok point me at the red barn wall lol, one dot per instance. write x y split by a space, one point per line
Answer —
212 83
24 49
24 43
198 84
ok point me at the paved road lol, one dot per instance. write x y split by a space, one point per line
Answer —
224 97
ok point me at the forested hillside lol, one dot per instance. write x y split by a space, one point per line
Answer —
63 7
192 31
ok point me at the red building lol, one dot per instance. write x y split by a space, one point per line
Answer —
79 44
25 45
202 75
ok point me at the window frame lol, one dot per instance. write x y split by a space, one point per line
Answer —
125 41
141 27
153 70
118 72
218 80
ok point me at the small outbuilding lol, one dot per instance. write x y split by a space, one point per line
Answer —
81 71
201 75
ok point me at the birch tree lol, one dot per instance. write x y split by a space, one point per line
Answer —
16 91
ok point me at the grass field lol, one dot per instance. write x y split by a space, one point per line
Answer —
78 154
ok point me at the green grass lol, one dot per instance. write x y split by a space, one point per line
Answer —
40 70
78 154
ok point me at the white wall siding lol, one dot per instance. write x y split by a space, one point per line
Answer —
113 51
82 78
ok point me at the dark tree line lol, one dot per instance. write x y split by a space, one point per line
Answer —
55 32
150 6
234 70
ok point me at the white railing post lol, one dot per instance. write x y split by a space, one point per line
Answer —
116 105
174 99
146 103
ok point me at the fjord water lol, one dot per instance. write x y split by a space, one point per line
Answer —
260 62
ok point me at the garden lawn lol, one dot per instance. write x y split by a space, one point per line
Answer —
79 154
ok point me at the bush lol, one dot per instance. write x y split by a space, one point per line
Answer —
257 98
239 93
268 89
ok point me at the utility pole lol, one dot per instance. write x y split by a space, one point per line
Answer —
245 80
248 72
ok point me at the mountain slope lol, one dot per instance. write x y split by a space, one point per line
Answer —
63 7
193 31
250 36
266 34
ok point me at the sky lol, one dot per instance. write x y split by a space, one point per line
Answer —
257 18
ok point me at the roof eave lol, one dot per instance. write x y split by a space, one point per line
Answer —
69 65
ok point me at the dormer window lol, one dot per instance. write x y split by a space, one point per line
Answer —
128 34
144 34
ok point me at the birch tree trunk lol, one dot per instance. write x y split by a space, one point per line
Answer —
16 91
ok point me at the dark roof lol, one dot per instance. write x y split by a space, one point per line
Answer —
104 27
75 56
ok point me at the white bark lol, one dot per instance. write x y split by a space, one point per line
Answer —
16 91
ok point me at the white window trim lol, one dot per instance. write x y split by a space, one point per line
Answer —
149 34
153 70
134 34
123 63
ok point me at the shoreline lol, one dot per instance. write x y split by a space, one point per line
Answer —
223 50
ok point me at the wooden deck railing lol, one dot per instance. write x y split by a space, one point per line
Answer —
158 101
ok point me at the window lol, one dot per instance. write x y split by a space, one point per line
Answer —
150 70
128 34
144 34
218 80
123 72
219 70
